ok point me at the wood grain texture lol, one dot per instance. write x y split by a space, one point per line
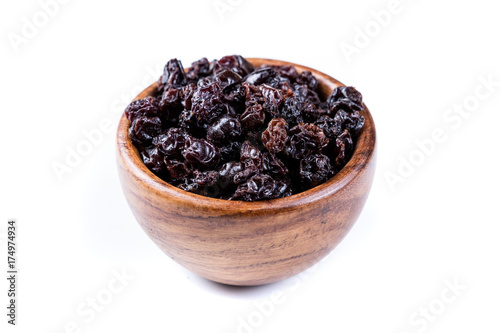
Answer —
248 243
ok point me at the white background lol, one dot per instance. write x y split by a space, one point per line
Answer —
437 225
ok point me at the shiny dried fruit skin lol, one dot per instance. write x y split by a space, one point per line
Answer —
306 78
272 99
201 152
332 128
225 128
353 122
143 129
230 151
172 142
235 63
291 112
261 76
273 165
205 178
178 170
227 78
253 117
173 76
260 187
171 105
343 149
287 71
153 158
198 70
315 169
207 103
187 93
148 106
345 98
228 171
251 156
305 95
203 183
305 139
275 135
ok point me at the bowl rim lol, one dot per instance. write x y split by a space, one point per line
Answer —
364 151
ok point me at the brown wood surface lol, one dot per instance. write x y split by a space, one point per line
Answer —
248 243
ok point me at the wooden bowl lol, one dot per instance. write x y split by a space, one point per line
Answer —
248 243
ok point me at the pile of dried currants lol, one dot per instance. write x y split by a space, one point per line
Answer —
228 130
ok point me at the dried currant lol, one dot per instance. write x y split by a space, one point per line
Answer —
207 102
315 169
198 70
143 129
153 159
227 78
234 63
261 187
171 105
254 116
148 106
261 76
251 156
275 135
201 152
305 139
173 76
306 78
329 126
345 98
178 170
225 128
343 149
273 165
172 142
227 172
230 151
353 121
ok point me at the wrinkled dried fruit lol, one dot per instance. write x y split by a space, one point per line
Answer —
143 129
253 116
275 135
178 170
261 187
343 149
306 78
153 159
315 169
172 142
273 165
234 63
148 106
306 139
207 103
173 76
198 70
227 130
201 152
345 98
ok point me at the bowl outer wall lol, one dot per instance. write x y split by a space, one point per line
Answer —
248 243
